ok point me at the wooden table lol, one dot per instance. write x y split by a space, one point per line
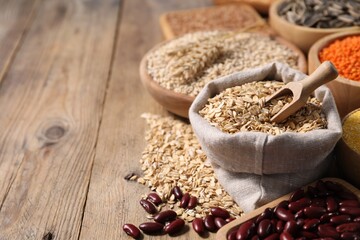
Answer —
70 106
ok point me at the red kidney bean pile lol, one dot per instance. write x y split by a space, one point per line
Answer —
326 211
166 222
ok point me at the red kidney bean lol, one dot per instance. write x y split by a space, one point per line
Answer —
353 211
283 204
267 214
151 227
264 228
286 236
300 222
192 202
301 238
331 204
256 237
311 224
348 227
198 226
148 206
219 212
350 236
291 227
299 204
219 222
332 186
273 236
177 192
308 235
321 187
347 196
312 191
132 230
232 234
357 219
349 203
184 202
318 202
174 226
284 214
279 227
299 214
314 212
326 230
209 222
230 219
298 194
340 219
246 230
326 217
165 216
154 198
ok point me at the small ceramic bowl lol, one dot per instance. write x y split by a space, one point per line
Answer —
346 92
348 159
178 103
301 36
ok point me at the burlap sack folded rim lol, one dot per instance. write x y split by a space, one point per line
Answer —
277 147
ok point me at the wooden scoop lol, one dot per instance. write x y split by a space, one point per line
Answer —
301 90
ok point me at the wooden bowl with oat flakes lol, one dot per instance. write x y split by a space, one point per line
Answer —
179 102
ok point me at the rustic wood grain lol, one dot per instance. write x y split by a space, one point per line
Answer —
51 103
15 17
113 201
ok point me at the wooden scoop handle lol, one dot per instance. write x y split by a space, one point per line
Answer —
325 73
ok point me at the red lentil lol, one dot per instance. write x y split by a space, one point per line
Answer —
345 55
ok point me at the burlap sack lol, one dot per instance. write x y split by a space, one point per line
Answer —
255 167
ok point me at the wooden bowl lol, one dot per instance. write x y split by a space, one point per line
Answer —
222 233
348 160
178 103
303 37
346 92
261 6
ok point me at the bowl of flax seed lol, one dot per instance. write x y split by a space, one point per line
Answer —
175 71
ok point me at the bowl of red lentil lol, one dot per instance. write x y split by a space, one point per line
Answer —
348 148
343 50
298 22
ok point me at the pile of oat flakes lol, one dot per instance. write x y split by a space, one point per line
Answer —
173 157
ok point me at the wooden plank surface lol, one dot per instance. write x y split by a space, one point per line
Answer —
15 16
51 103
113 201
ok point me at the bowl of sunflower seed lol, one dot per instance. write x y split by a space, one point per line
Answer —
304 22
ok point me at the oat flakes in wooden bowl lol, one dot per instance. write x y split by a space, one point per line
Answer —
174 72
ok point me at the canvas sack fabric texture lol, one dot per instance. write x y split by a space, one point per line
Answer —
255 167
